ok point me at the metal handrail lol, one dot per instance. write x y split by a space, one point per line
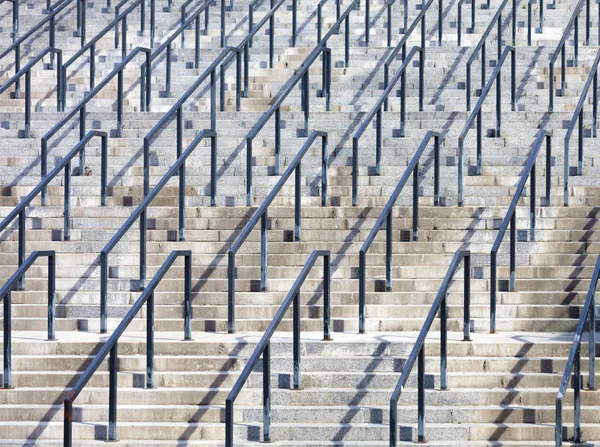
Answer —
91 46
111 345
301 74
577 118
338 11
206 8
81 108
264 346
511 218
167 46
15 18
115 23
5 294
386 217
588 315
572 25
26 71
495 77
481 46
244 48
19 210
402 44
377 112
178 168
261 214
417 354
177 109
51 17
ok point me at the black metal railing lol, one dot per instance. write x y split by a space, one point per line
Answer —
588 317
90 47
338 11
440 304
130 6
167 46
577 119
477 113
401 46
481 46
81 108
264 346
110 347
51 20
5 294
511 218
377 114
459 19
572 26
65 163
26 71
15 18
386 217
177 109
243 50
262 215
178 168
301 75
184 15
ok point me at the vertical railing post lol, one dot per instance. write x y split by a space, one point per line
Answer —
548 168
324 170
103 291
347 42
120 92
27 103
296 336
230 292
388 251
415 198
263 251
272 37
222 23
319 22
440 22
213 171
298 202
378 132
7 322
389 24
150 340
421 395
266 393
532 200
51 40
367 21
152 22
580 144
326 298
558 426
479 141
436 171
467 298
187 300
362 259
51 296
513 240
21 249
577 397
67 203
493 293
168 69
294 21
196 43
112 394
248 171
17 69
444 343
354 171
595 105
592 345
277 140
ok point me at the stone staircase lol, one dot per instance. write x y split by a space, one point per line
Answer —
502 387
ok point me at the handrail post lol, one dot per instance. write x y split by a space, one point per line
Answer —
152 22
580 145
324 169
296 340
120 92
263 251
197 43
51 40
440 22
577 397
294 21
248 171
150 341
67 203
319 22
415 217
444 343
7 351
588 16
499 104
458 24
298 202
389 24
479 140
436 170
403 103
238 77
493 292
566 173
326 297
548 168
103 291
513 80
187 313
362 256
142 17
421 77
168 73
354 171
213 171
595 105
222 23
367 21
467 298
17 94
529 32
378 132
83 21
230 292
389 240
112 394
468 87
182 202
21 248
277 140
347 43
421 395
28 104
532 201
51 296
473 6
513 240
460 171
266 393
592 346
558 428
